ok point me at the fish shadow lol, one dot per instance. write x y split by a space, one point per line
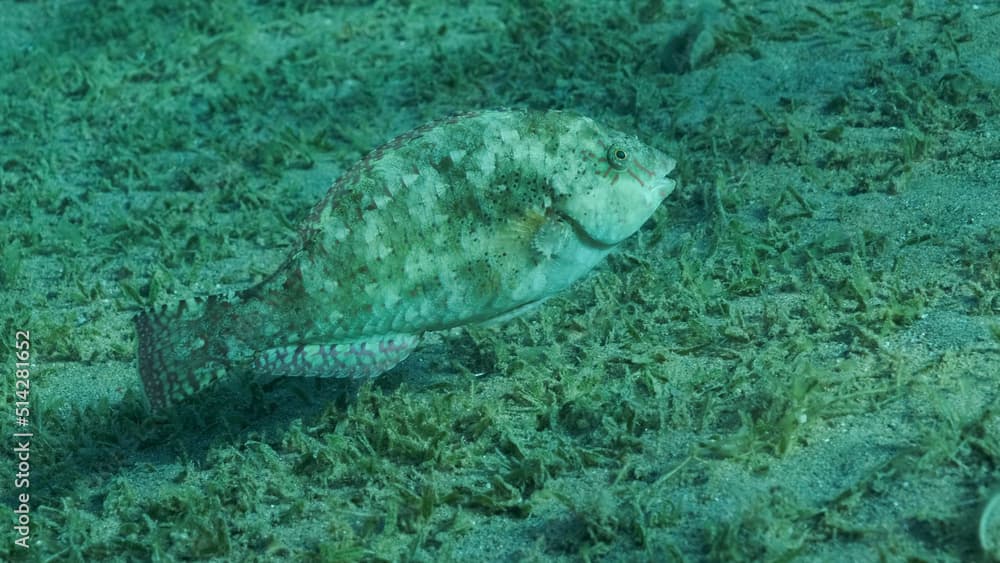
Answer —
109 438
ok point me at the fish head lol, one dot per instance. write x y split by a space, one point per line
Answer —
612 183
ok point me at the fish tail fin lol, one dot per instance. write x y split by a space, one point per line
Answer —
179 353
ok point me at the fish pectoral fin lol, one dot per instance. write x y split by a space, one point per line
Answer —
357 359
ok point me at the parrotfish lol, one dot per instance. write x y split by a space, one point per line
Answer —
475 218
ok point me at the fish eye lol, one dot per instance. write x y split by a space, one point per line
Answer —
617 156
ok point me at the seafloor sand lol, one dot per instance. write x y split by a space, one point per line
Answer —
796 359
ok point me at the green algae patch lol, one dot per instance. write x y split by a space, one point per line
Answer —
795 358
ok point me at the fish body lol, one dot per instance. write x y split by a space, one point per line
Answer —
469 219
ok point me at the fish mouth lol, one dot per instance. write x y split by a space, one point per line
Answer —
665 184
663 187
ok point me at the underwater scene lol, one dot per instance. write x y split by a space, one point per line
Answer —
519 280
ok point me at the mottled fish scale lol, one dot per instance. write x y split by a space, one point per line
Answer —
468 219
